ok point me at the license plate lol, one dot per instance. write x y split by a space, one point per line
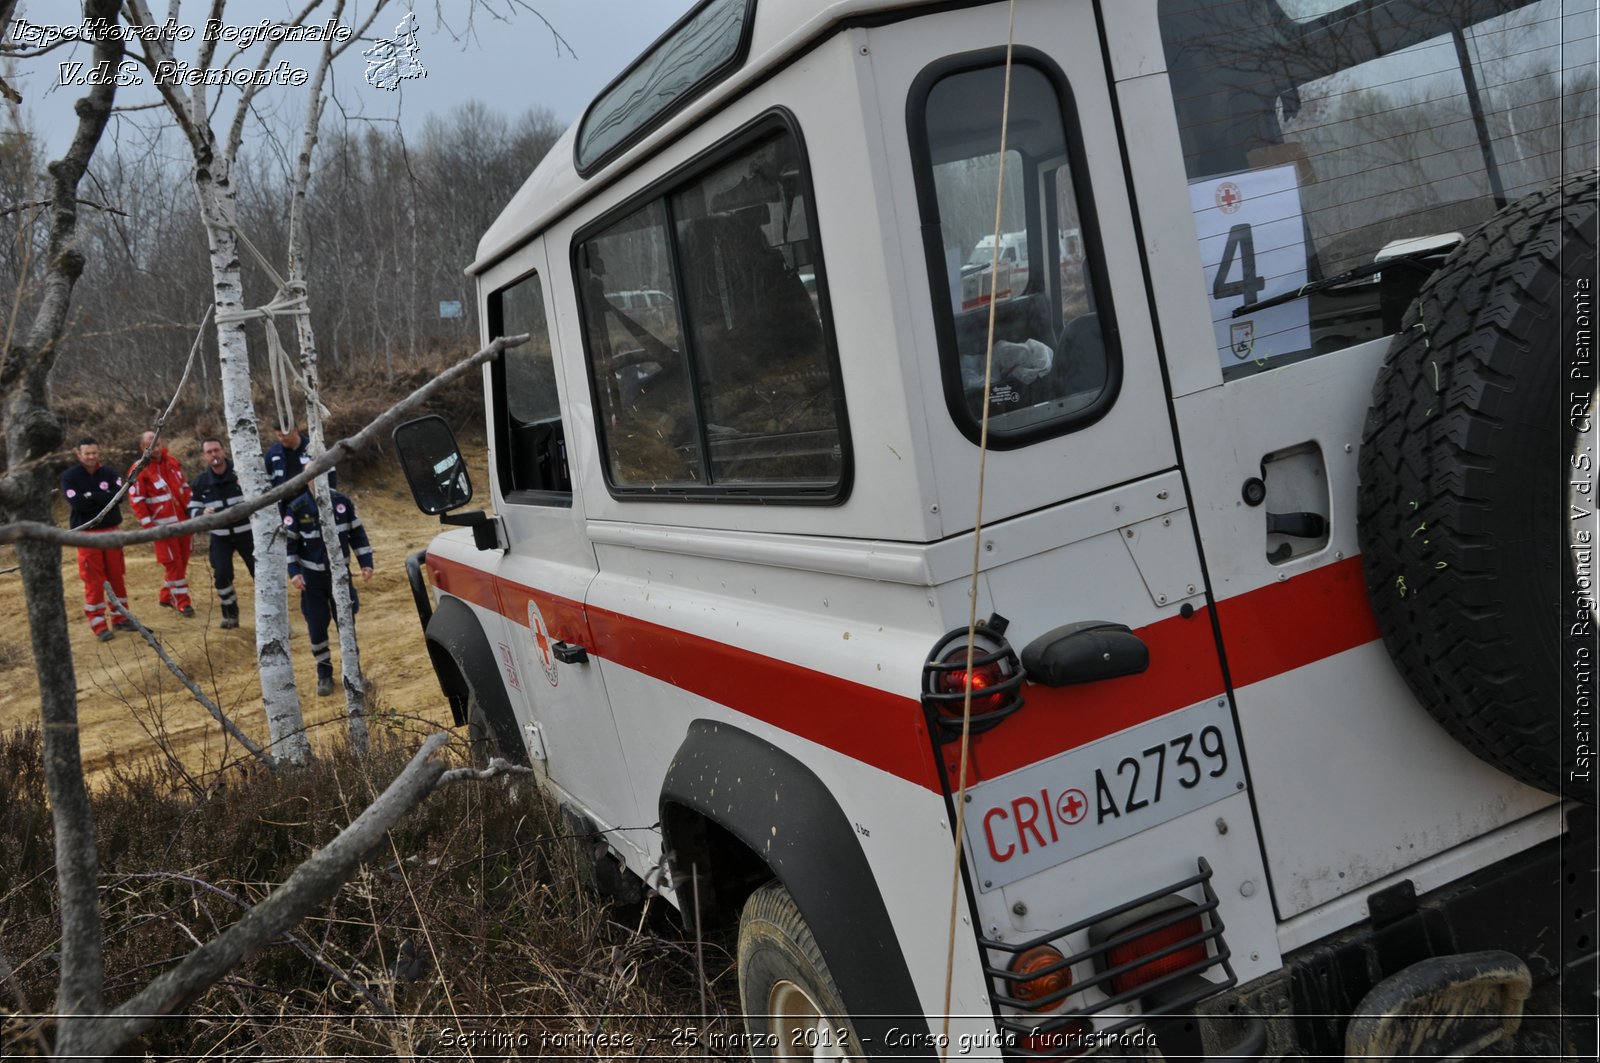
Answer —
1089 797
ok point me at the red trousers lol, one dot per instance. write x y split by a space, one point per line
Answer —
173 556
95 568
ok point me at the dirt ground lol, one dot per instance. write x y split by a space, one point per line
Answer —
130 706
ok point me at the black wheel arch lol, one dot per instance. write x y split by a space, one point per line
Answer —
738 810
467 670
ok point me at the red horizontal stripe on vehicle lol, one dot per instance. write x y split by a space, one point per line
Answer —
1268 631
864 723
1183 670
1283 626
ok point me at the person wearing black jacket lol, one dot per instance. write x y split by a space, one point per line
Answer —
87 487
218 488
312 575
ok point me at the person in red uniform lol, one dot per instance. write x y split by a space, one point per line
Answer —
160 495
87 487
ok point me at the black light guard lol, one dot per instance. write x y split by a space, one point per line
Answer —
1155 1002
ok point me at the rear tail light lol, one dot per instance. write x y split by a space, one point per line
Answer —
986 682
993 675
1050 978
1155 936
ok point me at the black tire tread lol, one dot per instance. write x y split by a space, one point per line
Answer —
1459 404
770 917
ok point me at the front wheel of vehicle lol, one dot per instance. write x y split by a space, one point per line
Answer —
793 1009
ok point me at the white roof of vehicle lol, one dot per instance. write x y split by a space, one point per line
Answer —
782 28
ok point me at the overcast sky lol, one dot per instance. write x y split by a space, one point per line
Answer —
511 63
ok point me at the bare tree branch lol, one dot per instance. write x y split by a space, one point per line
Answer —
35 204
309 886
498 767
306 948
37 531
183 677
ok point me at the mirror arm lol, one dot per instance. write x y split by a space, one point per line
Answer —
482 525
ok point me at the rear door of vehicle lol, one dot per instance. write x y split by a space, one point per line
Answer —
1097 792
1287 162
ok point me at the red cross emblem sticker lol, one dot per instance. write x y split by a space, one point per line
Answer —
1229 197
1072 806
541 642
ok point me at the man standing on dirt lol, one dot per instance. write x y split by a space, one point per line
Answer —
218 488
160 495
88 486
312 575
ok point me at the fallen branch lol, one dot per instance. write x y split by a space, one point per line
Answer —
189 684
310 886
306 948
38 531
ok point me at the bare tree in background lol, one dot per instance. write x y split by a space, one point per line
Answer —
214 160
33 435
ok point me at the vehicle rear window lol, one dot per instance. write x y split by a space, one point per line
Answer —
712 365
1055 364
1329 142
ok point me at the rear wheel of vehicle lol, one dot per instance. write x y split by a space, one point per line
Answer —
793 1009
1465 462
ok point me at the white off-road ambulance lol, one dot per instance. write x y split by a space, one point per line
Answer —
1273 508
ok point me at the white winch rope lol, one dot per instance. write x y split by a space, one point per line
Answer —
977 536
288 301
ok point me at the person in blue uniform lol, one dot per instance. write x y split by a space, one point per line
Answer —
88 486
218 488
309 570
287 456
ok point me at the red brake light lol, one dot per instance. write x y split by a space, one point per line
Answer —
1155 941
984 677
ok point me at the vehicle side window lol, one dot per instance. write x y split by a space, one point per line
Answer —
532 453
1055 364
713 371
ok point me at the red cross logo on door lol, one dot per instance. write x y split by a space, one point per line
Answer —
541 642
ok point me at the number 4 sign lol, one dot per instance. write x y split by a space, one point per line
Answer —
1252 242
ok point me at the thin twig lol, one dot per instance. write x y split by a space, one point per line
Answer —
183 677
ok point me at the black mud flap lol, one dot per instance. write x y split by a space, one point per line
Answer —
1444 1007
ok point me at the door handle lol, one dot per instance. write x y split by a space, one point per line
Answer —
569 653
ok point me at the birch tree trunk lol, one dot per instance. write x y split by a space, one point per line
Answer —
213 170
218 211
338 565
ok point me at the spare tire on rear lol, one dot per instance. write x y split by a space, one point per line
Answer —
1464 465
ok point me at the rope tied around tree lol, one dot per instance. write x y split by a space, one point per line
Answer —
289 300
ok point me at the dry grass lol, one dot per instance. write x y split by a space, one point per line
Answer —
470 922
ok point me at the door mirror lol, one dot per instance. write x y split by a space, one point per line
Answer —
433 464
